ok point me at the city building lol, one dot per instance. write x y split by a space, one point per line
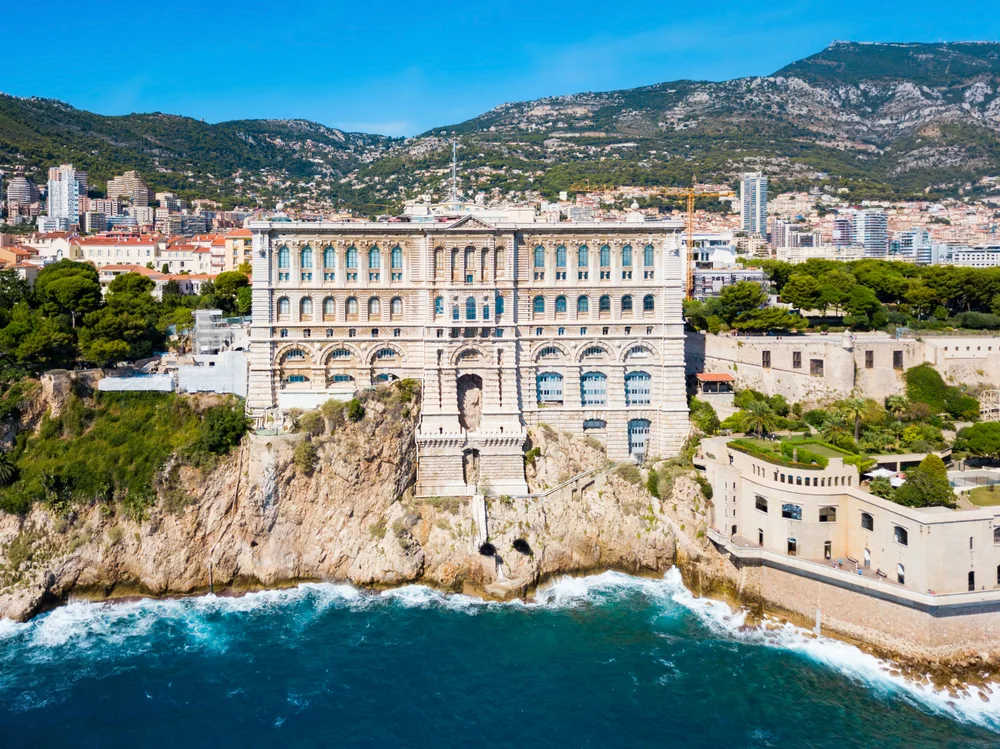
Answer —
823 525
976 257
577 326
871 231
915 244
130 186
239 248
842 232
802 253
709 282
66 186
753 203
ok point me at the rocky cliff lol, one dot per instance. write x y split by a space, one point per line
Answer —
274 513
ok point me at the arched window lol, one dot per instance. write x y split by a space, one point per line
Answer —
374 306
560 305
295 354
605 256
329 308
339 353
500 304
539 257
604 304
627 303
583 256
549 352
561 256
385 353
455 312
900 574
593 351
306 256
374 258
594 389
397 258
583 305
550 387
352 306
996 535
637 388
352 258
470 308
900 535
396 307
470 260
439 268
647 256
329 258
284 306
648 303
867 522
439 305
538 305
305 308
284 258
627 256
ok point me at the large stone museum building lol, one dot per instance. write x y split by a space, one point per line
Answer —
574 325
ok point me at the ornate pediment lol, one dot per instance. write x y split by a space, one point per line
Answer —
470 222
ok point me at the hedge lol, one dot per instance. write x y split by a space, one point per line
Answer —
777 458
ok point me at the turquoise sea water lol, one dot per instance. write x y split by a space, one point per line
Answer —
596 662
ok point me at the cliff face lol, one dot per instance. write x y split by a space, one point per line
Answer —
259 519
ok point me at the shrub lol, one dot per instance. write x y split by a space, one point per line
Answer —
779 405
706 486
312 423
306 456
745 397
653 483
487 549
880 487
406 389
924 385
355 410
703 416
222 428
377 529
333 412
629 473
816 417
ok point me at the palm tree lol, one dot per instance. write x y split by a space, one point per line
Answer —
758 418
897 405
836 426
857 410
7 470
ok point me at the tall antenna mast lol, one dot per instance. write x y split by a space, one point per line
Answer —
454 171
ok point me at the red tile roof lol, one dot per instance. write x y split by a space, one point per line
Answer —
714 377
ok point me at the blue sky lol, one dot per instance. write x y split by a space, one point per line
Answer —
401 68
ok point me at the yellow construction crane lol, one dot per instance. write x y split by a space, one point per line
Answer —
690 194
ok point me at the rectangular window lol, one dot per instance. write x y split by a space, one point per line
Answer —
791 512
828 514
765 359
816 367
760 503
900 535
897 359
793 547
796 360
869 359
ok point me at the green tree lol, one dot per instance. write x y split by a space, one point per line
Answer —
857 410
244 301
801 292
835 427
75 295
926 485
897 405
757 418
771 319
227 288
980 439
740 299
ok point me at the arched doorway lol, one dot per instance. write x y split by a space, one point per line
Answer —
638 436
470 401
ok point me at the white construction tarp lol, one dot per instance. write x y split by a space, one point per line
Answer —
144 383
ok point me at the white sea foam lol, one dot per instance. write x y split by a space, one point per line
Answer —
840 656
91 627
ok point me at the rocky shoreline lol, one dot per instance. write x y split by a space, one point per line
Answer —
257 520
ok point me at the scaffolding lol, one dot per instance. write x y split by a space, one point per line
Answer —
989 405
211 333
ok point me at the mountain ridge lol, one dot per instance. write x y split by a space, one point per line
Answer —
880 119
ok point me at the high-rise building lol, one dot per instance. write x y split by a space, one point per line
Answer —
843 231
871 231
22 190
130 185
66 185
915 245
753 200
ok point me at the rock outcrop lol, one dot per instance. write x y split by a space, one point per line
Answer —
260 518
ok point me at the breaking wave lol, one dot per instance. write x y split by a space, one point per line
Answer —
98 638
